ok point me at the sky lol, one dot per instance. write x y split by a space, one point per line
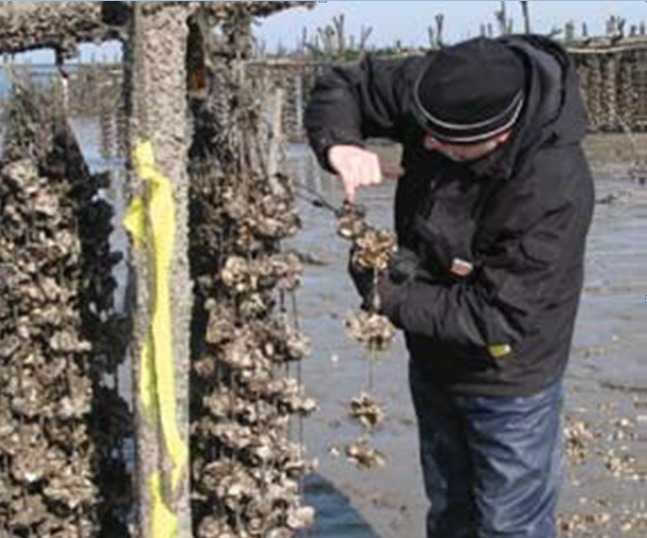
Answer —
408 21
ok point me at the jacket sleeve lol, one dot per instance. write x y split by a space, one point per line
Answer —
499 306
351 103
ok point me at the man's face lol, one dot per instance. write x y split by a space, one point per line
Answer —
464 152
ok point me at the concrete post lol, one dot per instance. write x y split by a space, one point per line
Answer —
158 144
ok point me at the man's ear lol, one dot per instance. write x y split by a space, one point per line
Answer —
428 142
503 137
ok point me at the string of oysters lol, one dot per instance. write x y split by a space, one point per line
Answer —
371 252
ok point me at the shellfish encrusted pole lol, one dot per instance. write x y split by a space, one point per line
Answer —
31 25
158 141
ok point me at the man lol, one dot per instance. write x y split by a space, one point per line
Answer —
494 206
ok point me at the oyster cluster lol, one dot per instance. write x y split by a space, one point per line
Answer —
366 409
371 251
373 331
273 218
579 437
55 346
372 248
363 455
247 468
243 275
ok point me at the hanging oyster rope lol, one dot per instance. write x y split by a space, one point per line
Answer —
56 346
371 251
249 410
247 469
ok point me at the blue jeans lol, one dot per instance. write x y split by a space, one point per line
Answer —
491 465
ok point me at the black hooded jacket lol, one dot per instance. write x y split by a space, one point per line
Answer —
520 216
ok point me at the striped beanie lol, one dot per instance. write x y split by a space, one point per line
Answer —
470 92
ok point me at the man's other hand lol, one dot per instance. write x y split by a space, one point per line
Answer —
364 280
357 167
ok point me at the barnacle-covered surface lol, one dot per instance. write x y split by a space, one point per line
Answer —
64 25
246 468
223 12
29 25
59 424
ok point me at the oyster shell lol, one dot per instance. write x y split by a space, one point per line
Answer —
365 409
363 456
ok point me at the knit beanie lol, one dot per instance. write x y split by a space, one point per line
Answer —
470 92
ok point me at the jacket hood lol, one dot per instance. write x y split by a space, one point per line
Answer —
554 110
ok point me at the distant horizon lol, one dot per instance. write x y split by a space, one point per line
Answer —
404 20
407 20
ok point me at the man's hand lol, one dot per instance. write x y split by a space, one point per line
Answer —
405 266
357 167
391 296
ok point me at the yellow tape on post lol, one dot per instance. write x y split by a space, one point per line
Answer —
163 520
153 218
